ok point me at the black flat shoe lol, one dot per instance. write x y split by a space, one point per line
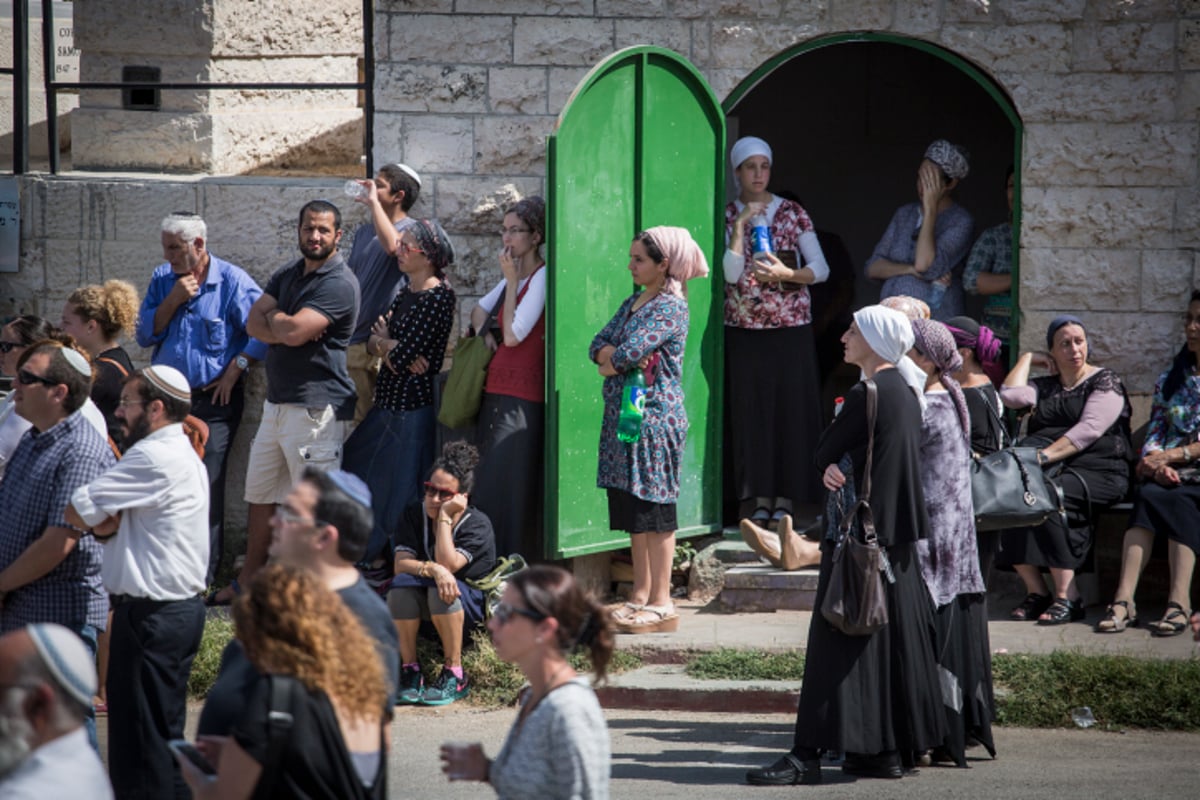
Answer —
787 771
883 765
1062 611
1031 607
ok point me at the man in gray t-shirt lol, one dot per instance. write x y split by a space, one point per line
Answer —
306 315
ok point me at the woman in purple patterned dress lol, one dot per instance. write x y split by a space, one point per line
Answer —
648 333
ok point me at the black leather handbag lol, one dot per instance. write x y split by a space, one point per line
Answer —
855 602
1010 489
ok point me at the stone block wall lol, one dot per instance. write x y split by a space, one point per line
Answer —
221 131
1108 92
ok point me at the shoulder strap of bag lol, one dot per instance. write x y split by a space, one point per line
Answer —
872 408
999 421
279 726
117 364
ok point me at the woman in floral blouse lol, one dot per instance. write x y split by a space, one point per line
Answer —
393 447
648 332
1169 501
770 353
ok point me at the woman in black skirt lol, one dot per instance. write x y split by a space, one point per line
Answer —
1168 503
876 698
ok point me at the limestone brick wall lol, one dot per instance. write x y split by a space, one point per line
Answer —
1108 92
220 131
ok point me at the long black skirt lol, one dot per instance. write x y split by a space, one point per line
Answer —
1173 512
870 694
774 412
965 671
508 480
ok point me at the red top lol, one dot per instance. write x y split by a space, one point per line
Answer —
520 371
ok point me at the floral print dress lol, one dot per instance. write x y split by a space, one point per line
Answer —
648 468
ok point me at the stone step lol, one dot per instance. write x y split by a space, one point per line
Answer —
667 687
761 587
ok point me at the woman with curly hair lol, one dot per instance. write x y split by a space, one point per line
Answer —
317 664
442 542
559 746
97 316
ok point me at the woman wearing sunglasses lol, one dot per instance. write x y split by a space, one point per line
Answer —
440 543
394 444
559 746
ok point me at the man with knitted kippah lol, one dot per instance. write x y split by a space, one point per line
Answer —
47 679
156 500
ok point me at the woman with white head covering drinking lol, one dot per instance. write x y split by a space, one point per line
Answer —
770 353
874 697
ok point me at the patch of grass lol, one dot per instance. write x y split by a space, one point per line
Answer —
218 631
1039 691
747 665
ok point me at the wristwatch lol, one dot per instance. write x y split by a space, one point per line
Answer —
242 362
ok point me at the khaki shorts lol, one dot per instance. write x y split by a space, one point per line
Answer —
289 439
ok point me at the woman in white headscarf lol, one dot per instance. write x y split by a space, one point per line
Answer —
925 245
770 354
875 698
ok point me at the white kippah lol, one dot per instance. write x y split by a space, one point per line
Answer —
412 173
67 658
77 360
169 380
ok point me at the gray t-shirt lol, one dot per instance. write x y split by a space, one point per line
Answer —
560 752
313 374
379 277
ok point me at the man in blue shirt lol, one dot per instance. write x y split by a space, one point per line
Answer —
194 317
373 261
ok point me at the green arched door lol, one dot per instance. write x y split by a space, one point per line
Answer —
640 143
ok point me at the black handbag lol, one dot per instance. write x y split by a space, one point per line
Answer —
1009 489
855 602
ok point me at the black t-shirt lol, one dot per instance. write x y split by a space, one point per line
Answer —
373 613
313 762
314 374
111 368
473 537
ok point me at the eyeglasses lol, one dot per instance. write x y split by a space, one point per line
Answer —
290 517
438 492
123 403
409 247
27 378
513 231
503 612
8 347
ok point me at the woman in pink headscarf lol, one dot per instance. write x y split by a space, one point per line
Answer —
648 332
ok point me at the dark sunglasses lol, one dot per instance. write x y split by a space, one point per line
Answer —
8 347
503 612
440 494
27 378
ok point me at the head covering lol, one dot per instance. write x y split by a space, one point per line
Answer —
77 360
412 173
1060 322
950 157
935 342
434 242
910 307
742 149
352 485
982 341
168 380
685 259
890 334
67 659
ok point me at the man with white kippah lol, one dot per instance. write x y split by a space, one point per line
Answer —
49 570
373 261
47 679
156 500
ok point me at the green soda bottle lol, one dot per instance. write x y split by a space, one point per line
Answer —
633 406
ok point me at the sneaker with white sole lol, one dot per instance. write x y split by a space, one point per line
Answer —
412 686
446 689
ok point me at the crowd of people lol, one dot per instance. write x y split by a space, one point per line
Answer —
361 533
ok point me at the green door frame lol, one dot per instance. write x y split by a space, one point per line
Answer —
985 81
640 142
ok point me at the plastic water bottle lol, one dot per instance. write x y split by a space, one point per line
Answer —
633 406
760 236
937 292
353 189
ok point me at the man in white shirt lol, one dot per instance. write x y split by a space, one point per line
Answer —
47 679
156 499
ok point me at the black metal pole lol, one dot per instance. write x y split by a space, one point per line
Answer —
47 80
369 84
20 86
